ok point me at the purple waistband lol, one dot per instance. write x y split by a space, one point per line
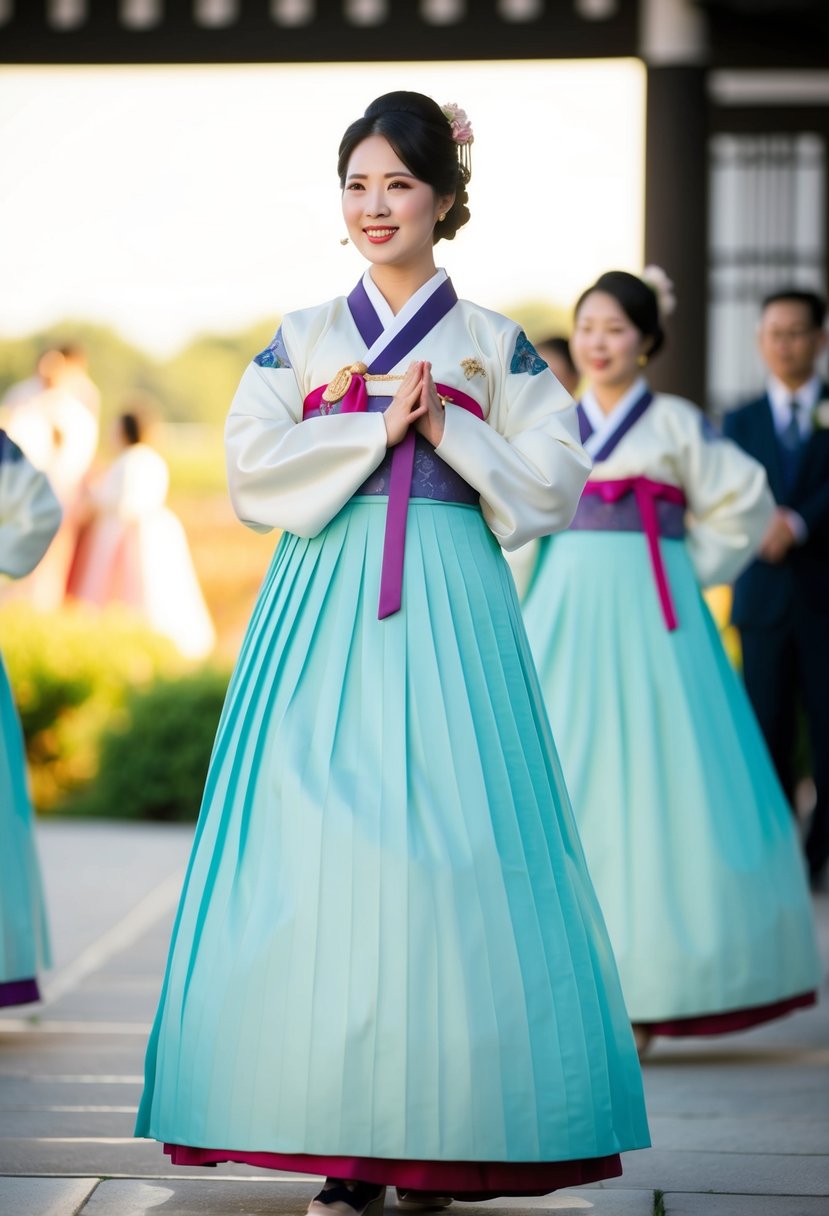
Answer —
593 514
431 476
646 497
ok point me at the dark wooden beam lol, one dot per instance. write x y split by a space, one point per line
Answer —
676 227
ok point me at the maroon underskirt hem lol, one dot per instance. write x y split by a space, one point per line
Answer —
733 1019
460 1179
19 992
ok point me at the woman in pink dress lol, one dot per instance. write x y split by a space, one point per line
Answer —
133 549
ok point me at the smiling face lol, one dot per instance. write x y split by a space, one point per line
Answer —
390 214
606 345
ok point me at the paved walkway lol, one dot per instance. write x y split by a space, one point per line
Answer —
740 1124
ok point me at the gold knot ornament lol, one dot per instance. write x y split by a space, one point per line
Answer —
337 388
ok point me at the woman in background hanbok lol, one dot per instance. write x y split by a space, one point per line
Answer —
133 549
388 965
30 515
687 834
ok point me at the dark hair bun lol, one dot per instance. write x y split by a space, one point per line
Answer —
421 135
637 300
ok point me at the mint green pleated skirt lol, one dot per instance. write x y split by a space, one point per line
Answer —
24 939
388 945
688 837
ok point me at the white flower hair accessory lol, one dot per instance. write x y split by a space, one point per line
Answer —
458 120
663 289
820 415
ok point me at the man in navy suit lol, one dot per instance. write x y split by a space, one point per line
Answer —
781 602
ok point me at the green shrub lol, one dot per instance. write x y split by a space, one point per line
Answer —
71 672
153 763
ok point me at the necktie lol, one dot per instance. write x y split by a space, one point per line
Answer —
791 445
790 434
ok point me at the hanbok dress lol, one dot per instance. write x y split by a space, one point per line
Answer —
134 551
688 837
30 515
388 963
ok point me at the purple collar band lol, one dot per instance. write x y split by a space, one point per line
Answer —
630 419
442 300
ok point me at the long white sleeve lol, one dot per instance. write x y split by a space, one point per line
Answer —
30 513
526 462
729 502
287 473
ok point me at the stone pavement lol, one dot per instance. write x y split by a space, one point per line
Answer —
740 1124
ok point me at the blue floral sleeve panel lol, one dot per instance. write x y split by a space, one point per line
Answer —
10 453
525 358
274 355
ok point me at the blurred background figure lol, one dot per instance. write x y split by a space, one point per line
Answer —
58 432
688 838
29 518
555 351
781 602
76 378
132 549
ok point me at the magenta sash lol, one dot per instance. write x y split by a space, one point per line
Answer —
646 492
354 401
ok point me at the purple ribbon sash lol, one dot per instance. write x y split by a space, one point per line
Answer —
369 326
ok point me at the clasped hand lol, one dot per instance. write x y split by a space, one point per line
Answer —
778 540
416 403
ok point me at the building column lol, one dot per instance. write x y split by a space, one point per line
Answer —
676 219
673 44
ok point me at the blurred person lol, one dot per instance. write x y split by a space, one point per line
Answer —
59 435
71 358
24 390
686 830
555 351
76 377
133 550
29 518
781 602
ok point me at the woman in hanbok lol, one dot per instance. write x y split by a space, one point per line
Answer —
133 550
688 838
389 966
30 515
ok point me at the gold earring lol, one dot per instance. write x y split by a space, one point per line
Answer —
344 240
441 217
642 360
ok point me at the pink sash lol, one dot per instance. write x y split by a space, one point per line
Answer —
646 492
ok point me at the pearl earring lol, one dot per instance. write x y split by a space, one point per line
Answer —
441 217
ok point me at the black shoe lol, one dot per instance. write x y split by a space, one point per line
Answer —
341 1198
421 1201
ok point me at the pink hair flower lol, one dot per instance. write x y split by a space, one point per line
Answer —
458 120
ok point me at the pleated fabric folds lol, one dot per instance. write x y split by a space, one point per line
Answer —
24 939
388 945
690 843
